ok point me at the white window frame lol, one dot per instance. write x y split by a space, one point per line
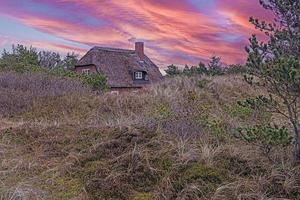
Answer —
86 71
138 75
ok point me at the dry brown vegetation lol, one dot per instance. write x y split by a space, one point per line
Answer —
59 140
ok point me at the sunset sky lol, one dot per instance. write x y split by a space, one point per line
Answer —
174 31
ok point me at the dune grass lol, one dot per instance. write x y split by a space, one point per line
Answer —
59 140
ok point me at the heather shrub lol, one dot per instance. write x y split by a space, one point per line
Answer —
20 91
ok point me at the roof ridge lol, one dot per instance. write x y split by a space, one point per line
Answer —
112 49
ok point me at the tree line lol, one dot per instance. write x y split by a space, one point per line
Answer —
213 68
22 59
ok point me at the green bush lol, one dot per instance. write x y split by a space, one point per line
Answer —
202 83
256 103
241 112
204 173
96 81
266 136
162 112
258 107
21 59
143 196
215 67
217 127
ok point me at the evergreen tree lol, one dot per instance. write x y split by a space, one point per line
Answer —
70 60
202 68
20 59
49 60
173 70
215 66
276 63
187 71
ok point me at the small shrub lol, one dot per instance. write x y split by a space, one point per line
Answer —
203 173
266 136
241 112
217 128
257 107
163 162
202 83
259 102
162 112
206 179
143 196
96 81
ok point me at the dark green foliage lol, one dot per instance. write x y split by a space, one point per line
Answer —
237 165
266 136
235 69
195 70
21 59
201 69
173 70
52 60
70 61
202 83
163 162
203 173
65 73
96 81
259 102
187 71
215 66
241 112
255 108
276 63
207 179
49 59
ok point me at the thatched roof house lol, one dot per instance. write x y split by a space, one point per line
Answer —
124 69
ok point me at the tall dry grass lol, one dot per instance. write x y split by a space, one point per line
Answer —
172 141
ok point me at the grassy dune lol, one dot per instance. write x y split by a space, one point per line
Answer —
59 140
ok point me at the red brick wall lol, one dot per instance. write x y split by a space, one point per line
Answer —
139 49
92 68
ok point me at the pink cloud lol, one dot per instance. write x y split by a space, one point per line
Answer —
57 47
174 31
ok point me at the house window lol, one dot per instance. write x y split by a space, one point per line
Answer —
86 71
138 75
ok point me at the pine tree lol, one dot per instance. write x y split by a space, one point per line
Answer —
276 63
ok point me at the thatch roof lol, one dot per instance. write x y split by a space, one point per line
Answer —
118 65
